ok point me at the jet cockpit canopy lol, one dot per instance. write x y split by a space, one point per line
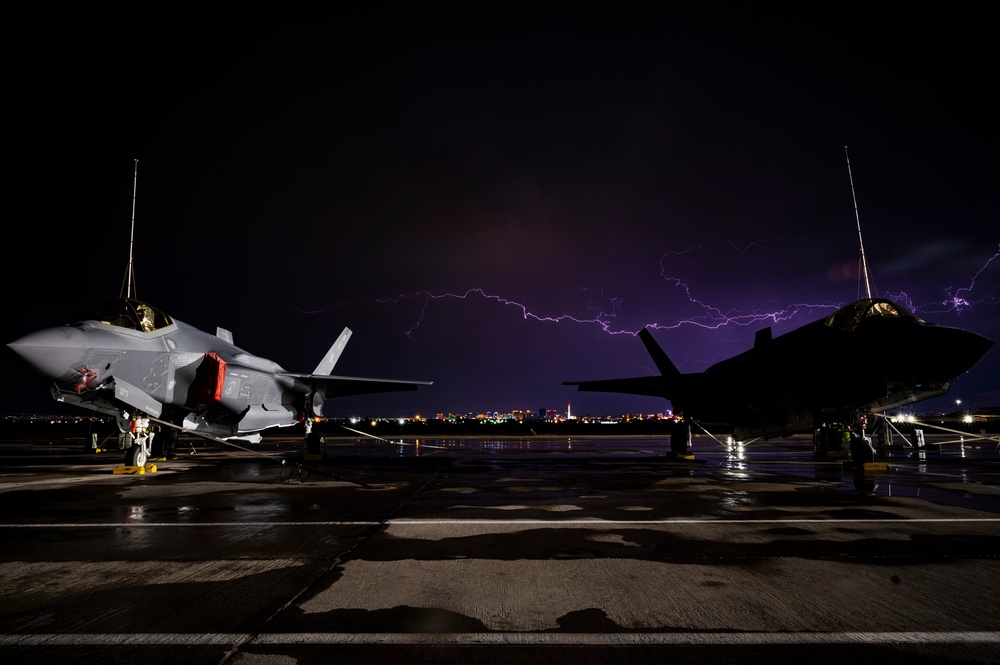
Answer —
130 313
849 317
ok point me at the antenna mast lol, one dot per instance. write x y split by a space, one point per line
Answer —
130 271
864 263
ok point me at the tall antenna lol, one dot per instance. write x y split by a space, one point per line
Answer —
130 271
864 263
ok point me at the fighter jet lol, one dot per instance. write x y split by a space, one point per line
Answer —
130 360
867 357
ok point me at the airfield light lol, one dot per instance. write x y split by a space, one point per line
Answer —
967 418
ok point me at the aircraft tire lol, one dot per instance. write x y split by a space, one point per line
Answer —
315 443
680 439
821 442
135 456
831 441
861 450
164 442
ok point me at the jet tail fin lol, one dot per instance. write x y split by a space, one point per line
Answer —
333 355
762 338
663 363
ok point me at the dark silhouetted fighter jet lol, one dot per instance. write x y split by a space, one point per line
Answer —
869 356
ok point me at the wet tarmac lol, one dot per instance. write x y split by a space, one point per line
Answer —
465 550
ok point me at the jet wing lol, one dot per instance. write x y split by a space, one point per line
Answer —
665 385
654 386
343 386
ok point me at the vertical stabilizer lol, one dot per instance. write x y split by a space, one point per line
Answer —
762 338
663 363
333 355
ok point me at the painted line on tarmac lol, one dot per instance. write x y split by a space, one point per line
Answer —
500 638
509 522
626 639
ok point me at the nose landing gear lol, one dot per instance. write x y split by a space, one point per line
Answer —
137 439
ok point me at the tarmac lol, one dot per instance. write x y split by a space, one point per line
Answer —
525 549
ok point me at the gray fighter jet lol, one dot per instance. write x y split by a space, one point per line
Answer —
867 357
130 360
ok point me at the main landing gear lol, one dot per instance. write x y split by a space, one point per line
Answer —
832 437
164 442
315 441
862 451
680 439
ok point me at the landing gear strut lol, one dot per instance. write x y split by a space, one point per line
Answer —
315 441
680 438
141 440
831 438
862 451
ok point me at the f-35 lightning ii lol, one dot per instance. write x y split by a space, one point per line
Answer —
867 357
131 360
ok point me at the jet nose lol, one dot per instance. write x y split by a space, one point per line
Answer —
958 351
973 347
54 353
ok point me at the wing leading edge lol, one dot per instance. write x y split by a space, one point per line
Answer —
344 386
328 385
664 385
653 386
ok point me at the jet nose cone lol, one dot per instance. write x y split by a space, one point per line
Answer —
961 350
980 346
54 353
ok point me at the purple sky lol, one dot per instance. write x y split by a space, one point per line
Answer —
497 199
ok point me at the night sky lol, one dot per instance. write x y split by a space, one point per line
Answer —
496 197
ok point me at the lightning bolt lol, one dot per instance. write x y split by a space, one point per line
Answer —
714 318
957 302
602 319
711 317
605 309
959 299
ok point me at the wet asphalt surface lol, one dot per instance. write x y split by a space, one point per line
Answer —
493 551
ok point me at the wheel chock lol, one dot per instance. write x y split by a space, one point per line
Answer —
867 467
136 470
